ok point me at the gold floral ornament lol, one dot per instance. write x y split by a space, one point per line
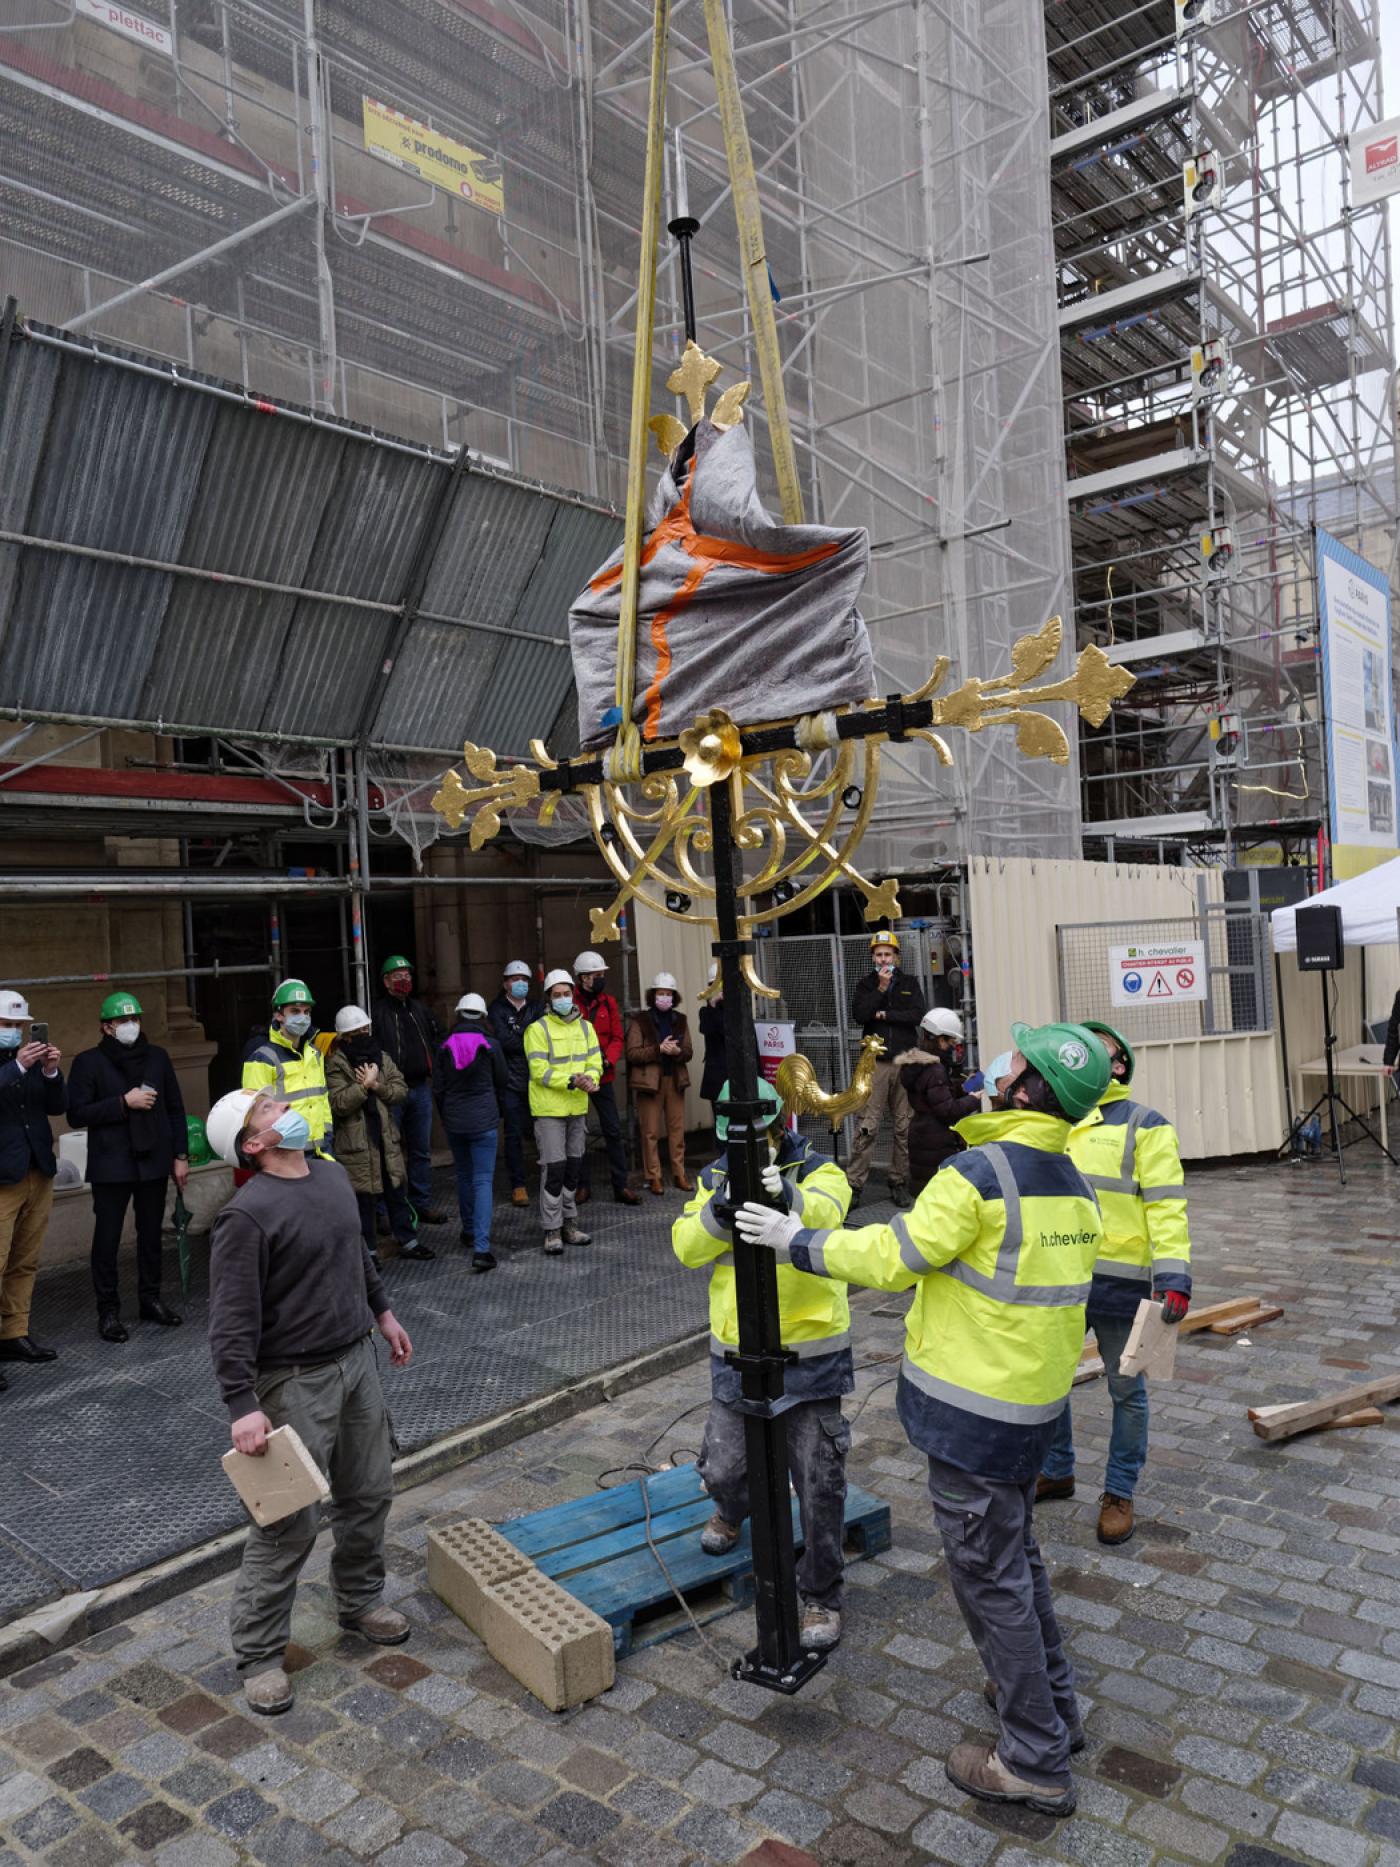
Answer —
712 748
517 785
692 377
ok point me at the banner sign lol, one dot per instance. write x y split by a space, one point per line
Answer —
775 1041
439 159
1353 606
1157 975
1375 162
130 25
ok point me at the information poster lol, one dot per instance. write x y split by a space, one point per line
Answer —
439 159
1353 601
1157 975
776 1040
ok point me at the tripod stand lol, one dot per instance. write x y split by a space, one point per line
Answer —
1333 1099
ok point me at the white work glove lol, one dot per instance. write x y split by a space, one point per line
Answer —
772 1178
760 1225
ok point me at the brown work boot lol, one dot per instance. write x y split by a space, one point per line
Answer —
1077 1739
268 1693
1053 1488
718 1537
981 1773
386 1627
519 1196
1115 1518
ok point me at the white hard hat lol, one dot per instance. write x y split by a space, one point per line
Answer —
517 969
558 977
472 1001
664 982
351 1018
941 1023
590 962
13 1008
226 1119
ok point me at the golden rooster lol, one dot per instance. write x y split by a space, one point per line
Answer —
802 1094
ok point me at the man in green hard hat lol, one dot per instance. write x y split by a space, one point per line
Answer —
126 1094
410 1034
999 1250
289 1064
1130 1156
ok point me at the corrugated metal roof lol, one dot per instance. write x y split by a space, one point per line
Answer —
126 460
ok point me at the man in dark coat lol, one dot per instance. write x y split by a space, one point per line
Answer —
886 1004
31 1089
937 1095
410 1034
509 1012
125 1093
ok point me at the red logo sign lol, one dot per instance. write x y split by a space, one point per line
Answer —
1382 155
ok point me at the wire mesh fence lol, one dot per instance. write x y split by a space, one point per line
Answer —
1176 979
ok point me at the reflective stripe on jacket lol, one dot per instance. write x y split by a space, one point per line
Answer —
1129 1155
1000 1248
555 1050
294 1075
814 1314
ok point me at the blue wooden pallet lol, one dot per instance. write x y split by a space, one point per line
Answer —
596 1547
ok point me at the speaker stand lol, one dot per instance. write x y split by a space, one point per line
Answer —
1332 1098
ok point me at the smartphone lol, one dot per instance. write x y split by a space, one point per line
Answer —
39 1032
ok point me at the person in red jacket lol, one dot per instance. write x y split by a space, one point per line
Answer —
601 1010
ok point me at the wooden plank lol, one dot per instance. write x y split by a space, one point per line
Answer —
1236 1325
1151 1345
1364 1416
1214 1312
1272 1423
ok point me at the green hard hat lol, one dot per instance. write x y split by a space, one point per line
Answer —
1106 1030
396 963
292 992
767 1095
119 1005
1072 1061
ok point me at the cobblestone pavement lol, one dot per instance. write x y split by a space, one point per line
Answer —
1239 1660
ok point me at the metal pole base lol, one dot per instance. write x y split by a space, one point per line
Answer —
752 1671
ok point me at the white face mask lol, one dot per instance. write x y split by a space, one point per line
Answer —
128 1032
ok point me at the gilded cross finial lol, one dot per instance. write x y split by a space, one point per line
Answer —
692 377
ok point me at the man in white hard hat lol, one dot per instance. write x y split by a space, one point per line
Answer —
31 1090
597 1004
565 1067
510 1011
293 1302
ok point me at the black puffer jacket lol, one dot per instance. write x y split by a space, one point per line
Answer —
934 1087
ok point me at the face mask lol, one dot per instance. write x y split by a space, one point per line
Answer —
520 988
11 1038
298 1024
401 987
126 1033
663 1001
561 1006
293 1130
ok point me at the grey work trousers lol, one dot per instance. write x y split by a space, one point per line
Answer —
999 1582
886 1091
338 1409
818 1439
560 1140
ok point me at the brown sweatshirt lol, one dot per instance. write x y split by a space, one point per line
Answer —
290 1279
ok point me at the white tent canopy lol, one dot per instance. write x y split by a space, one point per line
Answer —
1368 903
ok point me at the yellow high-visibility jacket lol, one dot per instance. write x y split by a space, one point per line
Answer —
813 1312
555 1050
1000 1249
294 1073
1130 1156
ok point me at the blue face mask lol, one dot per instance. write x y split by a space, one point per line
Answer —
561 1006
293 1130
520 988
298 1024
11 1037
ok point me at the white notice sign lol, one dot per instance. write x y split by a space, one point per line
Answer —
130 25
1157 975
1375 161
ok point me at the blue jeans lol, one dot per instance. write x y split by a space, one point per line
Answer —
414 1121
518 1123
475 1155
1127 1444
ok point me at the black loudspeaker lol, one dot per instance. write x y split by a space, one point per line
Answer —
1320 946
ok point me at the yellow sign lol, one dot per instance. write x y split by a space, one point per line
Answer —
439 159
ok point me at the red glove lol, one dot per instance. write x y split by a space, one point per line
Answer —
1174 1305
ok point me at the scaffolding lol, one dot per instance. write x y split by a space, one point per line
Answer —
1227 374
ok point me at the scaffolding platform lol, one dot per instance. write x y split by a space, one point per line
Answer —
607 1550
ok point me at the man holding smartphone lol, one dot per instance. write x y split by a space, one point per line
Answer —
31 1090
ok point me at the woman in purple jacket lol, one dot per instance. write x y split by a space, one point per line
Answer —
469 1087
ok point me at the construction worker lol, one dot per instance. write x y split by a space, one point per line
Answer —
289 1064
510 1011
886 1004
1129 1155
410 1034
816 1329
1000 1250
566 1066
603 1012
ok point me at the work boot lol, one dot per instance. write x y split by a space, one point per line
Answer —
625 1196
573 1236
385 1627
899 1193
718 1537
856 1192
655 1186
157 1312
821 1627
25 1348
420 1254
553 1244
683 1185
483 1260
1077 1739
268 1693
980 1772
1053 1487
1115 1518
110 1326
519 1196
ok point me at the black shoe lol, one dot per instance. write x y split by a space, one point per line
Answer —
110 1328
157 1312
429 1215
25 1348
419 1253
483 1260
899 1193
626 1197
856 1192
